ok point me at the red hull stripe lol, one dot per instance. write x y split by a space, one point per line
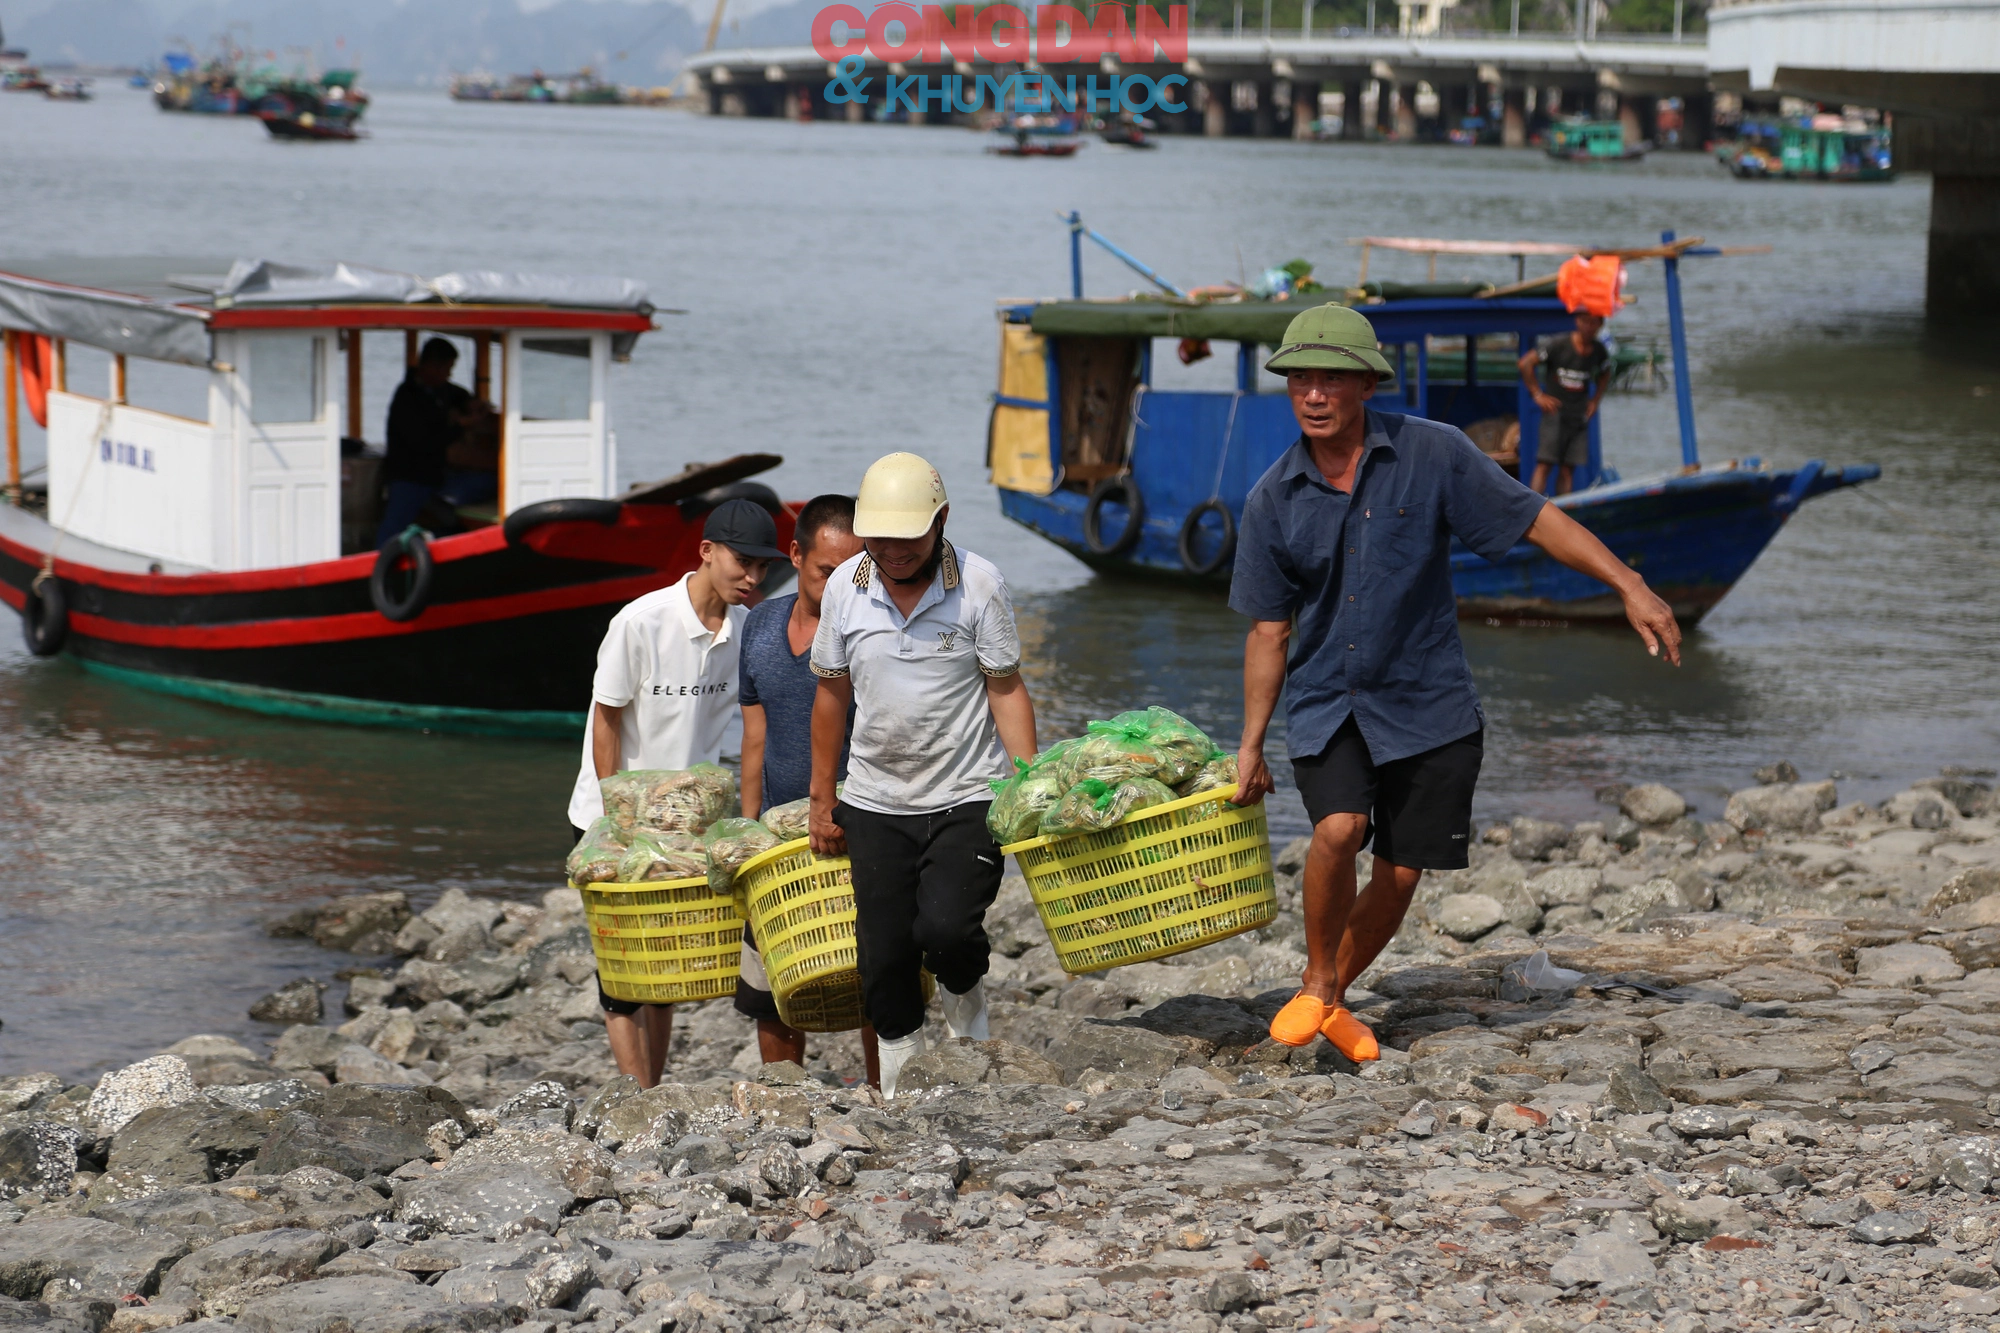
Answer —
347 569
428 317
360 624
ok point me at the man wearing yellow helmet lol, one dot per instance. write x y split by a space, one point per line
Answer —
1344 565
918 636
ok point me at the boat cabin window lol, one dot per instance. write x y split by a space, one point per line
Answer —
1213 369
284 378
1096 377
157 386
555 379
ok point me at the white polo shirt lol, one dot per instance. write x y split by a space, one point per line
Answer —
923 737
676 680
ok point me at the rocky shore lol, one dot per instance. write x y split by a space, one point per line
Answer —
1664 1070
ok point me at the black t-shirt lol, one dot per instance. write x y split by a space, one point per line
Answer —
421 429
1567 373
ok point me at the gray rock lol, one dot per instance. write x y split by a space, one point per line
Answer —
1906 965
1698 1219
25 1092
1739 1181
781 1168
358 1064
1871 1056
307 1047
294 1002
1611 1263
500 1199
474 981
292 1254
1967 886
557 1279
1467 916
1534 839
1779 807
162 1080
1114 1049
186 1210
367 993
37 1158
1921 808
1631 1090
84 1258
1232 1291
1709 1122
363 1305
351 1146
189 1143
547 1095
842 1252
569 1160
1652 804
646 1121
1844 1213
596 1108
1891 1228
1784 771
1566 886
1641 903
1970 1165
948 1064
346 922
703 1153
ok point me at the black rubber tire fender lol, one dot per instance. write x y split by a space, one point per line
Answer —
412 543
1126 493
45 617
694 506
1192 524
572 509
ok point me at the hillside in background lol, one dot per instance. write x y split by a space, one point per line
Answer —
397 41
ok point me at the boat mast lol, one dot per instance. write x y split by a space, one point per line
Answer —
1677 335
1077 231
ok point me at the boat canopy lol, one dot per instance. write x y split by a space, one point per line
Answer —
1259 322
179 329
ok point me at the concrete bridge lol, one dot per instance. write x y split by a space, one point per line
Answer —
1270 86
1936 65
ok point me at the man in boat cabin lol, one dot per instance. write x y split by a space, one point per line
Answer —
777 693
436 457
1576 371
663 698
1344 565
917 636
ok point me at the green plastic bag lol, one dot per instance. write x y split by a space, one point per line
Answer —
595 858
790 821
656 856
1185 746
730 843
1111 756
1092 805
1215 775
670 800
1020 801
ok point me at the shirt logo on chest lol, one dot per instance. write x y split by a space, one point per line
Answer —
947 640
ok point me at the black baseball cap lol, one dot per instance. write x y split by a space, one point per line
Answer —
745 527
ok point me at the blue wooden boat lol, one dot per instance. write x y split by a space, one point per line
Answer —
1135 480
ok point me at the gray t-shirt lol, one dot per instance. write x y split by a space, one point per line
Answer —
923 738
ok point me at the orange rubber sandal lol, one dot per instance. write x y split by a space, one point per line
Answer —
1349 1035
1299 1021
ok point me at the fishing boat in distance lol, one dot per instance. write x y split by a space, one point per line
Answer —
68 90
1134 479
1592 141
232 556
1027 134
328 107
1812 148
582 88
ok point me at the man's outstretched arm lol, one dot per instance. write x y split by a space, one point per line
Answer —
1569 541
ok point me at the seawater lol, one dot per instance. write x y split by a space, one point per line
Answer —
839 284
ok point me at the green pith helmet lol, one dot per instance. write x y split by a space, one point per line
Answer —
1331 337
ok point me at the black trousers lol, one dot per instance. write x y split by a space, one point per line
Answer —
922 884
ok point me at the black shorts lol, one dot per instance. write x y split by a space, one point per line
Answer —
605 1002
1419 807
1565 440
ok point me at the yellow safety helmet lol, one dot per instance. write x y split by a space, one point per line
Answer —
900 497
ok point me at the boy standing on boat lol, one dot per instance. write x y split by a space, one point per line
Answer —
1577 372
917 636
663 697
1344 565
777 693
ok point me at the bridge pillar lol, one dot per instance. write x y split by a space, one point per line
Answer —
1385 109
1352 124
1215 107
1264 120
1962 272
1697 121
733 103
1305 109
1628 120
1514 118
1406 112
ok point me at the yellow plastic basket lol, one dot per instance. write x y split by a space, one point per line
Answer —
801 907
665 941
1162 881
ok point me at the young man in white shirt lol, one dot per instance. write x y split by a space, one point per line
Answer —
919 637
663 697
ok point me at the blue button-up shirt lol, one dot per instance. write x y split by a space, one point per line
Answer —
1368 577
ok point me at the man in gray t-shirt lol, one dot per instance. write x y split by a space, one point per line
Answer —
918 636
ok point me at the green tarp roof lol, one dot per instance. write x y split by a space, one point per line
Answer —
1235 321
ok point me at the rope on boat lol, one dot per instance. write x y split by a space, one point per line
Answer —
48 570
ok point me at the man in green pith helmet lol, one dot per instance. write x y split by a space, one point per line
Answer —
1344 565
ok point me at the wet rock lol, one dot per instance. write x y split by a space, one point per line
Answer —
495 1199
1782 772
578 1165
306 1047
363 1305
1534 839
291 1254
1652 804
701 1154
64 1258
1906 965
1113 1049
1611 1263
842 1252
1779 807
370 918
1891 1229
1467 916
163 1080
189 1143
37 1158
1967 886
294 1002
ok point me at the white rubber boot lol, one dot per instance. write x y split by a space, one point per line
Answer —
894 1054
965 1015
